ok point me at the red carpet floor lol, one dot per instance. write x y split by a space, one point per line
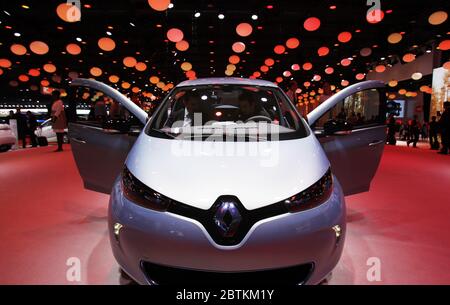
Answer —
46 217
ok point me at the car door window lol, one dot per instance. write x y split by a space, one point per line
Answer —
359 110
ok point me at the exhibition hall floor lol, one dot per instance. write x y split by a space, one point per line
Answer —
47 217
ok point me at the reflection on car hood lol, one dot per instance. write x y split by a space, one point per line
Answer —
198 172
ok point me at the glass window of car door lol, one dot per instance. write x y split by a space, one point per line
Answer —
361 109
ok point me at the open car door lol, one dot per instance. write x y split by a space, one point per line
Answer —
350 125
101 140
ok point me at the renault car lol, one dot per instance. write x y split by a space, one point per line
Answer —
227 183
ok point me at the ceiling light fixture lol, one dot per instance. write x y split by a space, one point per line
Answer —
255 17
221 16
197 14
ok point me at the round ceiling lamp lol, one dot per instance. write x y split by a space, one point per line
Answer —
34 72
49 68
344 83
360 76
345 37
106 44
402 91
394 38
306 84
191 74
323 51
39 47
238 47
126 85
95 71
257 74
114 79
18 49
231 67
279 79
416 76
374 16
244 29
311 24
154 80
45 83
182 45
424 88
13 83
409 57
160 85
68 12
393 83
292 43
444 45
365 52
317 77
73 49
135 90
287 74
175 35
234 59
438 17
186 66
329 70
346 62
279 49
129 61
380 68
140 66
307 66
228 73
295 67
264 69
159 5
269 62
5 63
23 78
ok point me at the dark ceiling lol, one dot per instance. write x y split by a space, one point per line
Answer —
211 38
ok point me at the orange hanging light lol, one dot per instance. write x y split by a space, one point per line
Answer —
234 59
34 72
140 66
114 79
182 45
244 29
106 44
39 47
269 62
73 49
175 35
159 5
311 24
129 61
49 68
95 71
238 47
292 43
345 37
68 12
5 63
323 51
279 49
307 66
18 49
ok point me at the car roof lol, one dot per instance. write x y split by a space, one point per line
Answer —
227 81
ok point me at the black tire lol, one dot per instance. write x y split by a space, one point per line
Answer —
5 148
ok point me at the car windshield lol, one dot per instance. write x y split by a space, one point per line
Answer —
227 112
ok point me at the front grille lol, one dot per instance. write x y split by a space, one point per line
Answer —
163 275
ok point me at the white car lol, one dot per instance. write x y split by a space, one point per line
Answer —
46 130
7 138
227 183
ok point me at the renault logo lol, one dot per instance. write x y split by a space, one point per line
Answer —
227 218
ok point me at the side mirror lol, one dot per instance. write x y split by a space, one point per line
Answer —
334 127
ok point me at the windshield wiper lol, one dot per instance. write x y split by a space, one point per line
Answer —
165 133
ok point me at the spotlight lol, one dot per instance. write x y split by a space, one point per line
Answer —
198 14
221 16
171 5
79 39
17 34
108 33
255 17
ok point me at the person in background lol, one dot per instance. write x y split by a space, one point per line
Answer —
32 125
444 126
100 110
433 132
21 127
292 92
58 119
424 131
414 132
9 117
392 128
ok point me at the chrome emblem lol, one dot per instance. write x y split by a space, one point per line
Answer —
227 218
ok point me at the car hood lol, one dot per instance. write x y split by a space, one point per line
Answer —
196 173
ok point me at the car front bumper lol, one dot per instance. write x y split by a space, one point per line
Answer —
181 246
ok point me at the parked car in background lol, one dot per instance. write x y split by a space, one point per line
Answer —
7 138
45 130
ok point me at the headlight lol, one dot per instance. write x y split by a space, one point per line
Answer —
313 196
141 194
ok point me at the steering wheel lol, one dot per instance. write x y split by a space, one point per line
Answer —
259 118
